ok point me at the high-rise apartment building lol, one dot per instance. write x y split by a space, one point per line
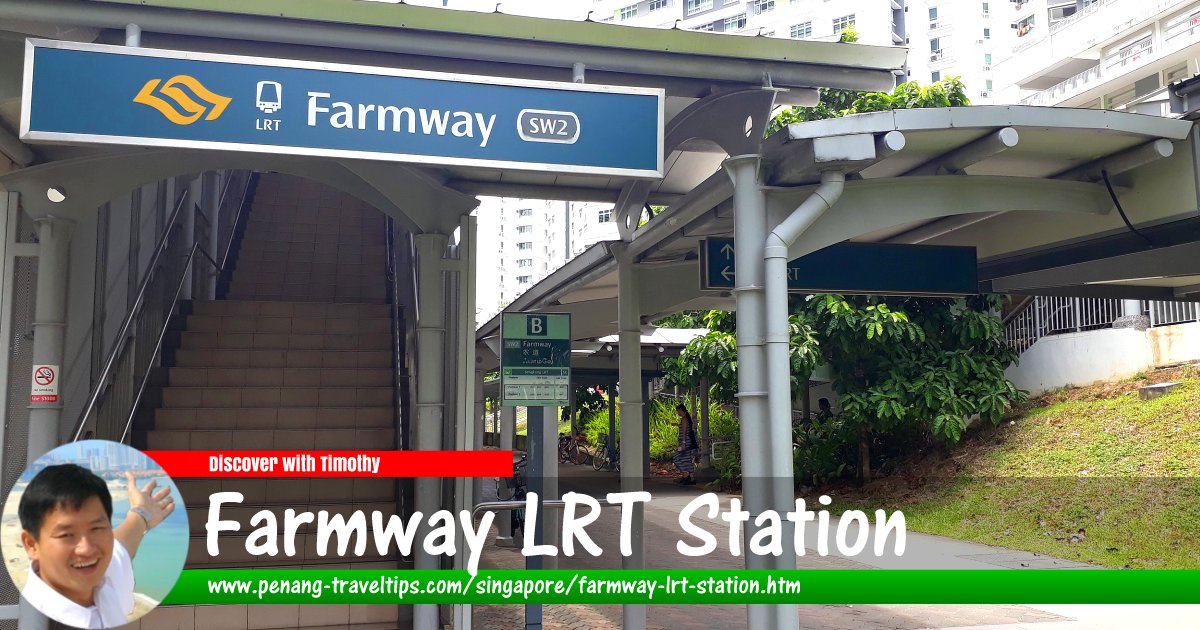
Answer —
522 241
1109 54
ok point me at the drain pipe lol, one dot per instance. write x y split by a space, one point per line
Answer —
778 365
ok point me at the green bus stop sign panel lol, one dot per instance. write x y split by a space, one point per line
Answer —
535 360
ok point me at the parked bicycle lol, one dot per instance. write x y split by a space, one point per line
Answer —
608 455
573 449
518 485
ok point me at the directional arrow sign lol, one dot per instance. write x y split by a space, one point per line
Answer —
858 268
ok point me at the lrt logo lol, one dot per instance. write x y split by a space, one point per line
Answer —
212 106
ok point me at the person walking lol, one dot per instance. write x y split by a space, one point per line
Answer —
685 454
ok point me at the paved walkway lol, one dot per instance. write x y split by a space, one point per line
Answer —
662 531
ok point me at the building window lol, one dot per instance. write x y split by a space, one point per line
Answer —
525 262
656 5
1024 26
604 216
989 85
987 33
523 279
693 7
758 7
987 58
843 23
624 13
801 31
525 212
935 45
932 13
937 76
524 246
985 8
734 23
524 229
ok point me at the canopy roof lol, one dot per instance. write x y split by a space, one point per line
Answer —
1021 184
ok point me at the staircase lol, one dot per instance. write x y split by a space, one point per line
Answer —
297 357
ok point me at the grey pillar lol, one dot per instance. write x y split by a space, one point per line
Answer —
49 332
750 234
508 427
49 328
705 436
646 427
480 429
430 395
212 208
188 217
633 430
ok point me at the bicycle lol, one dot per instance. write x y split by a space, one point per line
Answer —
518 485
607 455
573 449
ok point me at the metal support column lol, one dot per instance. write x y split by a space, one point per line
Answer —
430 403
480 428
49 327
750 233
49 333
633 431
508 428
188 218
212 208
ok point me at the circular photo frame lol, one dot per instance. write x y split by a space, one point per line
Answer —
94 534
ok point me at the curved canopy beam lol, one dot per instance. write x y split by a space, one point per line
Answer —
418 203
913 199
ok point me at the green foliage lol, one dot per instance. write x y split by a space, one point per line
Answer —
949 92
682 319
822 448
928 361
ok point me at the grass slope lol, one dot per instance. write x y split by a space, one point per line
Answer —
1090 474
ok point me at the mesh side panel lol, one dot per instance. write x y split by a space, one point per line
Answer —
8 624
16 430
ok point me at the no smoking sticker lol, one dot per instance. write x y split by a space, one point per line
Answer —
45 384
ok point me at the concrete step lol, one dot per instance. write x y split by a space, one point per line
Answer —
342 244
247 358
279 377
196 340
348 277
261 308
275 397
256 269
292 418
312 258
303 325
265 440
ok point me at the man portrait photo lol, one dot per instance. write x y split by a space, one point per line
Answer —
80 565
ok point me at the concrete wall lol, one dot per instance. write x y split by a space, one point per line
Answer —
1100 355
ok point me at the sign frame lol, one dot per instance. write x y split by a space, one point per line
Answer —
728 273
47 392
25 132
560 319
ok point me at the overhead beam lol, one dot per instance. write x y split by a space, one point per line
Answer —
1177 260
1118 163
871 205
1191 289
956 161
553 193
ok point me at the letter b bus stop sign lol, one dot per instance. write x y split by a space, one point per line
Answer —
535 360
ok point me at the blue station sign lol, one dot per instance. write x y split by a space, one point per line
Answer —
90 93
859 268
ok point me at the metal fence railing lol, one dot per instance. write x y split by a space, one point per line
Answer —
1044 316
114 399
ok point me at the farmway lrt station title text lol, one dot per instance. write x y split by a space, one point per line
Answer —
156 97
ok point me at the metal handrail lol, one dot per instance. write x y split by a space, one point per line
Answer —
102 383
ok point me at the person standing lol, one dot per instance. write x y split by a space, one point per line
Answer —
685 454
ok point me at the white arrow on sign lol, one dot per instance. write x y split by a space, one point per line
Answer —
727 249
727 273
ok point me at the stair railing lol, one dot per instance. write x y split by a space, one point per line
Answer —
113 401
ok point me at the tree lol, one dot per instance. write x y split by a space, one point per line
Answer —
916 361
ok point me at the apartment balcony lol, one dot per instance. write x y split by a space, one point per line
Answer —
1178 35
941 58
940 28
1073 45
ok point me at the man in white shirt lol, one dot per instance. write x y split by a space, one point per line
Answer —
81 570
